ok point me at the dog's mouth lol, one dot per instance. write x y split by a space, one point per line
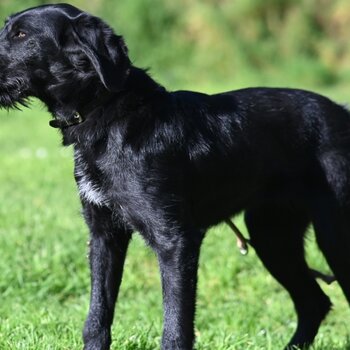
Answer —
12 94
62 123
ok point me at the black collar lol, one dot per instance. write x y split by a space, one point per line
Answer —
74 119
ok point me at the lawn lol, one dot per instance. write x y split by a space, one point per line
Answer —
44 277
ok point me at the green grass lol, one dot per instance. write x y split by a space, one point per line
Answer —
44 278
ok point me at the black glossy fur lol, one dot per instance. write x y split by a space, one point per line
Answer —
171 164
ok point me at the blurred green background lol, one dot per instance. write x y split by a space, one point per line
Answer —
222 44
211 46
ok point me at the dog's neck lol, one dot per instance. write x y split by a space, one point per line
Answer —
140 80
88 122
67 114
70 119
74 109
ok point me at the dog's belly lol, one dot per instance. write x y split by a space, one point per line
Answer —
217 198
214 208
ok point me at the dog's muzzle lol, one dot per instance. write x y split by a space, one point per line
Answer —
60 123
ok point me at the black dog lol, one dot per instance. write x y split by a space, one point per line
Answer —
172 164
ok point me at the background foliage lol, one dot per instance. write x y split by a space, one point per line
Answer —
208 45
230 42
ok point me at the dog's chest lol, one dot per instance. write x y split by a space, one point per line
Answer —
90 182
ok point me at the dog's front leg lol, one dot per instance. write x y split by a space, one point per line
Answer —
108 246
178 261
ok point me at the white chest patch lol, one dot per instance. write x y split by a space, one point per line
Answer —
88 190
91 192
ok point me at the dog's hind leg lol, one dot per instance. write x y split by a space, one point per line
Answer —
332 231
108 246
277 234
330 210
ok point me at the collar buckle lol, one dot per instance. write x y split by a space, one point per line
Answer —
74 119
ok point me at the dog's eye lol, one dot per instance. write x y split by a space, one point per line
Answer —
20 35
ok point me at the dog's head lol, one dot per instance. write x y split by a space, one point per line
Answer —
57 52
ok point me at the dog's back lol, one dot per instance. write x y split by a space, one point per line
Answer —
244 145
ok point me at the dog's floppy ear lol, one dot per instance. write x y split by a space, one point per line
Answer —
105 50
